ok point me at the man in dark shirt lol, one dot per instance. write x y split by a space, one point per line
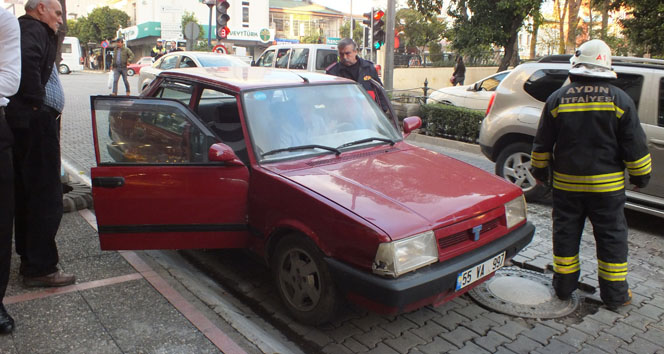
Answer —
351 66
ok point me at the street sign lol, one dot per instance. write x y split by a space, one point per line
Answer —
219 48
191 30
104 44
222 33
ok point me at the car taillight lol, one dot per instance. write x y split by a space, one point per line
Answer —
488 108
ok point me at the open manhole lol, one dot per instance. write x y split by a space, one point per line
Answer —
524 293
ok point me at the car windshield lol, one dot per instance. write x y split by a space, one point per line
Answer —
295 122
214 60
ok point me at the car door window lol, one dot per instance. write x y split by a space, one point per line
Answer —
632 85
299 58
176 90
282 58
219 111
187 62
169 62
660 112
542 83
325 58
266 59
491 83
149 131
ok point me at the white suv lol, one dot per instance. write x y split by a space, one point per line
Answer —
508 130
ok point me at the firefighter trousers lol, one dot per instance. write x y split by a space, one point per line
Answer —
606 214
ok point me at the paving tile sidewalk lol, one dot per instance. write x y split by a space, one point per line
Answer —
121 303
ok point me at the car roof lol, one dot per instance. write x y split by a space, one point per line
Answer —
249 77
303 45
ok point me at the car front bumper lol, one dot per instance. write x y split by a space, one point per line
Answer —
429 285
487 151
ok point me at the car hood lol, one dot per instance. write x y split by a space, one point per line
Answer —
402 190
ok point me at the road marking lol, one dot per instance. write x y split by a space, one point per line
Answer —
202 323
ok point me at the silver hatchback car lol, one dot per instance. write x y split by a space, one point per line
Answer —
512 118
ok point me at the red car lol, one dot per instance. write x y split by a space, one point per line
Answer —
135 68
308 172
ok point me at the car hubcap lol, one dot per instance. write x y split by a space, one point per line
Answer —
517 171
300 280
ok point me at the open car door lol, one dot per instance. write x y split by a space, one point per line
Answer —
384 103
155 187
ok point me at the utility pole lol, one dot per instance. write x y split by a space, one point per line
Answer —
352 23
388 71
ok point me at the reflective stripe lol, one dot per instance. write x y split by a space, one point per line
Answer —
612 276
603 178
587 106
607 182
540 159
607 187
566 265
640 167
612 271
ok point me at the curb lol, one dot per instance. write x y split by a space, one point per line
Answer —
458 145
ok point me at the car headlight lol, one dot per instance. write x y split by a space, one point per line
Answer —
515 211
399 257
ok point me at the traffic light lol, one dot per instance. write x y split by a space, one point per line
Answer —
222 19
378 31
367 18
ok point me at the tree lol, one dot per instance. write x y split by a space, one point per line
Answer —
191 17
358 32
572 24
537 21
645 25
102 23
419 31
482 22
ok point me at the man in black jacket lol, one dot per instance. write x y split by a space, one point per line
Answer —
33 115
351 66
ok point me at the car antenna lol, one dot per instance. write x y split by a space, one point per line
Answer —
306 81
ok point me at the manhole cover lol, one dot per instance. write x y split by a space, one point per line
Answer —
524 293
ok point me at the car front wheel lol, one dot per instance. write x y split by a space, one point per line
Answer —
130 72
63 69
303 280
513 164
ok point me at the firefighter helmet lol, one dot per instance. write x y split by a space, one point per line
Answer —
593 59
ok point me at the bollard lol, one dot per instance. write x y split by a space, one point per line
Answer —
426 90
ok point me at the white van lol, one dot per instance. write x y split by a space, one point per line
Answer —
310 57
72 56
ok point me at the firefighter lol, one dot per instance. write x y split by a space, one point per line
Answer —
588 133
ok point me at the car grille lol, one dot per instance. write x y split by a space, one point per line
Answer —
466 235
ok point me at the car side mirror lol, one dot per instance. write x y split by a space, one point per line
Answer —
410 124
223 153
253 63
475 87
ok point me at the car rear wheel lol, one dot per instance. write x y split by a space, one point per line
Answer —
130 72
303 280
63 69
513 164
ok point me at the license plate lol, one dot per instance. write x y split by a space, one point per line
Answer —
480 271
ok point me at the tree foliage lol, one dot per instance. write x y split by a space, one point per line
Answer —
102 23
191 17
357 32
482 22
646 25
419 30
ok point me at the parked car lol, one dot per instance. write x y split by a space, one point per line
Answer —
310 57
473 96
336 203
185 60
72 56
511 123
136 67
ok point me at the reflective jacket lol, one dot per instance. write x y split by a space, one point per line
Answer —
589 132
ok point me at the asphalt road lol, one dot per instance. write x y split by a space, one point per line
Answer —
458 326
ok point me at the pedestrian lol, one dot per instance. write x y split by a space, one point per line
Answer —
174 47
109 59
158 50
351 66
10 78
588 133
121 57
92 62
33 115
459 74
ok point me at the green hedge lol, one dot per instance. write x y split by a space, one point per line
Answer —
451 122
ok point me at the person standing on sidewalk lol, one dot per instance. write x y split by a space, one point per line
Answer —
351 66
459 74
36 152
121 57
589 132
10 78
